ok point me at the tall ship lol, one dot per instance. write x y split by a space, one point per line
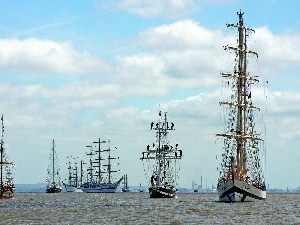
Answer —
125 182
100 174
75 176
53 176
241 175
164 159
7 187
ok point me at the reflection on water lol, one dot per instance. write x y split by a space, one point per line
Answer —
138 208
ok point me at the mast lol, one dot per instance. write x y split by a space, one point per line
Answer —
158 166
99 159
53 145
1 153
81 171
76 175
70 173
109 169
90 169
73 172
241 95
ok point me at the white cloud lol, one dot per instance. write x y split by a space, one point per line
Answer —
152 8
277 51
162 8
46 56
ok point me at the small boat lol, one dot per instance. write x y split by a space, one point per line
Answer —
100 180
241 174
7 187
53 177
141 189
195 186
125 181
165 158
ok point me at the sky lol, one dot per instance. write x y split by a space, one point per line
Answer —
83 70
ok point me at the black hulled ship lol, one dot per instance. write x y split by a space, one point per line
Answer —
53 176
165 159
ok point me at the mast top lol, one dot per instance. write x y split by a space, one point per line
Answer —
240 14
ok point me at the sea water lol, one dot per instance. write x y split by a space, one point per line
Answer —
138 208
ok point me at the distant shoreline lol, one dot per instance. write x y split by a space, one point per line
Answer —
41 188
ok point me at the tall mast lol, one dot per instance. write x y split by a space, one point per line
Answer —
241 94
76 174
1 152
53 161
81 171
241 104
109 169
109 164
90 169
159 149
99 159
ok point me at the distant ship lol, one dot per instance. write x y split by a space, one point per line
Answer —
7 187
53 177
74 181
165 158
195 186
125 181
241 175
141 189
100 178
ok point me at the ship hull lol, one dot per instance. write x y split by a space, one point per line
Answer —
7 194
70 188
104 188
239 191
162 192
125 190
53 189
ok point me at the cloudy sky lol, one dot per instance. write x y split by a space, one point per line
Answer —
84 70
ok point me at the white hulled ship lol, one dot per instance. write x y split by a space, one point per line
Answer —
7 187
100 179
241 175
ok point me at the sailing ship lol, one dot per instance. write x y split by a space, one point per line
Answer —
165 158
100 179
7 188
74 180
241 174
125 181
53 177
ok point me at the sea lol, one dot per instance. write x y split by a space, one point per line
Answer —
138 208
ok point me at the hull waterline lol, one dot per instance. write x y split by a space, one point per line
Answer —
239 191
7 194
162 192
111 188
53 189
